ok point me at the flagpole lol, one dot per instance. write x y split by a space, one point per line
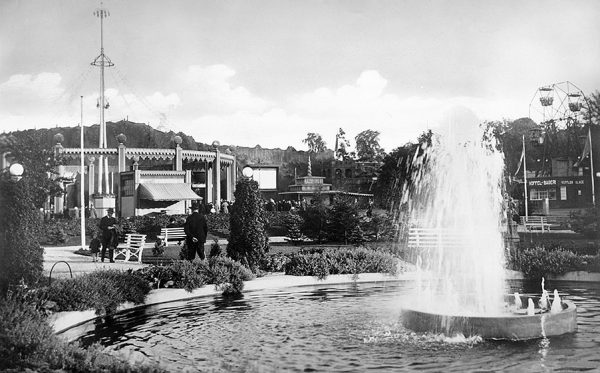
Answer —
592 166
525 179
81 183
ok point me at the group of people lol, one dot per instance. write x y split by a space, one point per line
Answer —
195 228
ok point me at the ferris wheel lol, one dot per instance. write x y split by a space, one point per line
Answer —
556 104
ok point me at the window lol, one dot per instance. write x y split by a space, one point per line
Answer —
563 193
128 187
540 194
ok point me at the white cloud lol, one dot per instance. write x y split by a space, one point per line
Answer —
21 90
209 90
209 105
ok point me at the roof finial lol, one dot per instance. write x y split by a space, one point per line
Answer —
309 167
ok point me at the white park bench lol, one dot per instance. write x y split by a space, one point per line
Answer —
172 234
432 238
132 248
542 222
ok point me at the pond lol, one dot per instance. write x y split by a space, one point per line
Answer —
350 328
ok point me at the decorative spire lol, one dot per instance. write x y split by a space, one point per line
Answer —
309 166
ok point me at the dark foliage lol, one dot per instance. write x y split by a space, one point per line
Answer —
538 262
248 240
28 343
20 252
587 222
343 220
316 217
102 291
321 263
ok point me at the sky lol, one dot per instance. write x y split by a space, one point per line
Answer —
267 72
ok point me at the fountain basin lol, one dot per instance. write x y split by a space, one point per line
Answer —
514 326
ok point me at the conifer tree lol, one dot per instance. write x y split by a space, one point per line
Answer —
248 240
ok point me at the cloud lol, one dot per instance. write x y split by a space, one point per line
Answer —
209 89
209 103
21 90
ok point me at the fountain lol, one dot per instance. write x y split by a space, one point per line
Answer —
457 196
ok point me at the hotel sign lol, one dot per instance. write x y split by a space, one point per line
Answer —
554 182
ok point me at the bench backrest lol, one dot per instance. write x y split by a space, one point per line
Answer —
533 220
432 238
135 240
177 232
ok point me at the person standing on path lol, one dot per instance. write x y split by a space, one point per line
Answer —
196 230
109 234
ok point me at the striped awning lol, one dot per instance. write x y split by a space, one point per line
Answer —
167 192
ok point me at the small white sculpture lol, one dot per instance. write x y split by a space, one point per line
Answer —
556 304
518 303
530 307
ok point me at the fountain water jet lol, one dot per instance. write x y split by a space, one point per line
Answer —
457 192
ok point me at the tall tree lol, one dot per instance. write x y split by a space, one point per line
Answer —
342 145
367 146
592 110
315 142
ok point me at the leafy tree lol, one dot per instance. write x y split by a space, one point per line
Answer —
592 109
315 142
367 146
248 240
560 140
341 151
39 162
393 174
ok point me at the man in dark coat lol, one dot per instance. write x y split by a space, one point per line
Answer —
109 234
196 230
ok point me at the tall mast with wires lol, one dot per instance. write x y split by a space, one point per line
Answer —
102 61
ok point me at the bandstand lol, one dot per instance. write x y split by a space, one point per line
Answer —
133 191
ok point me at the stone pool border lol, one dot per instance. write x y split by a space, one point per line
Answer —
62 321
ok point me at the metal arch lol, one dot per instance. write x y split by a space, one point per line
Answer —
60 261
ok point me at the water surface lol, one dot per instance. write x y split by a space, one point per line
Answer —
342 328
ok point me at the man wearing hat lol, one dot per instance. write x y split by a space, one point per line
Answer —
109 234
196 230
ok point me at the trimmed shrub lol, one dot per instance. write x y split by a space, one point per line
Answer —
248 240
21 256
340 261
538 262
228 275
307 264
293 223
188 276
275 262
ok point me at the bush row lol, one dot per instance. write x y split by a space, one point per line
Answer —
101 291
538 262
321 263
225 273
